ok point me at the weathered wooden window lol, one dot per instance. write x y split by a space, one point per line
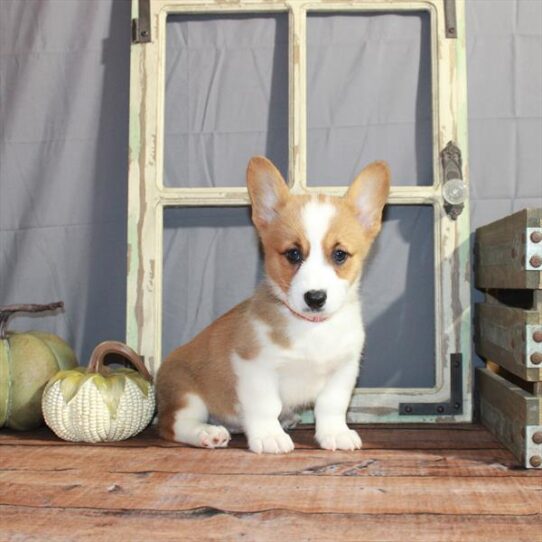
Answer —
172 197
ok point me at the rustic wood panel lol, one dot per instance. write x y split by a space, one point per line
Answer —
257 493
501 334
499 252
269 526
467 487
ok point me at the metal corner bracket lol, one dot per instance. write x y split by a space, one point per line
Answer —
141 27
453 406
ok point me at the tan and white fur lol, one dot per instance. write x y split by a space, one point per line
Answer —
297 341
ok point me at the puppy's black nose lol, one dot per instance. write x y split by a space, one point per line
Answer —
315 299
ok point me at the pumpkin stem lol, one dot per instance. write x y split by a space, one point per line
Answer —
7 311
96 363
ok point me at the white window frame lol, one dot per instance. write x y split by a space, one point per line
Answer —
148 196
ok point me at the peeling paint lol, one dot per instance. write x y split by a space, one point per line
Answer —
139 310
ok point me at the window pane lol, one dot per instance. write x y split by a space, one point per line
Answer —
369 96
226 97
212 262
398 302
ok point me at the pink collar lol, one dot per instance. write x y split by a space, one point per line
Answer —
315 319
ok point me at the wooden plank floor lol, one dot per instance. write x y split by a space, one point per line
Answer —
408 483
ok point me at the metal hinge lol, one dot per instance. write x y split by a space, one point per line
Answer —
450 20
453 406
141 27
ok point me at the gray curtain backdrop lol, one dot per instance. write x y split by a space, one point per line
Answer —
64 86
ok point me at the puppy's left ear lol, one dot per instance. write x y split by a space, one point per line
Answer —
368 194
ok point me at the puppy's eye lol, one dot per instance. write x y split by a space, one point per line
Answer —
339 256
293 255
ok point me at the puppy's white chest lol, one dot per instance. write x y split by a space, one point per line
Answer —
316 352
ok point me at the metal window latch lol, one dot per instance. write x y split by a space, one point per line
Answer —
453 406
454 188
141 27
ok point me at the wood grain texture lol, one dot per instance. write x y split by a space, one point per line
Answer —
145 461
457 484
168 491
269 526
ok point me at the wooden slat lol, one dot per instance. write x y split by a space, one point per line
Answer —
145 461
268 526
256 493
397 436
238 196
500 252
500 333
507 411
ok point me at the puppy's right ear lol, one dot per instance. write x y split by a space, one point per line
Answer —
267 189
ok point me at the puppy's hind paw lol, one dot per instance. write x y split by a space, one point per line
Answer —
214 436
342 440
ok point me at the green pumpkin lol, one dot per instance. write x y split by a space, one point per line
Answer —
97 403
27 361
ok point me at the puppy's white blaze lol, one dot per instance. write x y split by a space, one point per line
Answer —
316 273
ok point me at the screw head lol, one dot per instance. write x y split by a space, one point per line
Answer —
144 33
535 261
440 409
536 236
535 461
408 409
537 336
536 358
537 437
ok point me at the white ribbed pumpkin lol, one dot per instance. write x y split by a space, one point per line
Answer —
97 404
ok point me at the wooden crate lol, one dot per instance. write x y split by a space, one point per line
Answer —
508 331
514 416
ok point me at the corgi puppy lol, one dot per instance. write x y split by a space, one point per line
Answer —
297 341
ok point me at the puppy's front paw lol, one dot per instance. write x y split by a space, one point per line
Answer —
275 443
345 439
